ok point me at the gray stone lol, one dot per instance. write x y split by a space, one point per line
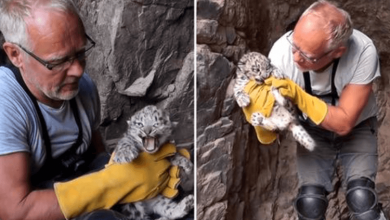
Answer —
139 86
141 59
216 212
206 30
180 103
210 9
213 189
261 181
230 35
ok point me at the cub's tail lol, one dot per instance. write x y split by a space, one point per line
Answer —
301 135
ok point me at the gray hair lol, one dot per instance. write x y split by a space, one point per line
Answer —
14 12
339 30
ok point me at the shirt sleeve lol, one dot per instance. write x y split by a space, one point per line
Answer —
275 55
14 129
280 56
367 67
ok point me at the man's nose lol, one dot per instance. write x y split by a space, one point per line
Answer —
297 56
76 68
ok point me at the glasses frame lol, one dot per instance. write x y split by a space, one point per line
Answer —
311 60
50 66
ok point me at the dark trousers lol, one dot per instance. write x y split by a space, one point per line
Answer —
357 152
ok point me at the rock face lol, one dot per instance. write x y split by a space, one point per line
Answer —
144 55
237 178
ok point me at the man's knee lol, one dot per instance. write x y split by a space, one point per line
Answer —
362 199
311 202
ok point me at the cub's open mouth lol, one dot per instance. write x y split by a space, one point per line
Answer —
150 144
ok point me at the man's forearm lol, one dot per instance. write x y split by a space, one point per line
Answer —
336 120
17 200
39 204
342 118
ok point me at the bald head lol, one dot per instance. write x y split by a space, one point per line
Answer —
326 17
14 15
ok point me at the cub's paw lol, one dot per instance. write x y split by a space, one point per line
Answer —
187 204
124 156
182 208
278 97
243 99
257 119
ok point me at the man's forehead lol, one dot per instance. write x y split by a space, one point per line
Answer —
45 22
55 34
43 17
310 23
310 34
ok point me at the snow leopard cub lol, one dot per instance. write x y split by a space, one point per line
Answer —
149 129
258 67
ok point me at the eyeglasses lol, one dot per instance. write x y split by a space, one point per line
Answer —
307 58
66 62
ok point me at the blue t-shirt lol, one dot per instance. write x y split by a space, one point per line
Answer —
20 129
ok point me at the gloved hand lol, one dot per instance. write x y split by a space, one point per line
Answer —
261 100
141 179
184 152
313 107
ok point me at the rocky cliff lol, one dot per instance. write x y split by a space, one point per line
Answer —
237 178
144 55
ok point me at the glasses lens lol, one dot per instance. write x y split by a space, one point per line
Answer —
62 66
294 49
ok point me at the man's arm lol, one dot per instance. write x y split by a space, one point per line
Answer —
17 201
342 118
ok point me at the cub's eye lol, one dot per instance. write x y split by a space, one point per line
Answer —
156 124
138 124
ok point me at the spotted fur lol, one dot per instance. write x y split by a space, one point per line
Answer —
258 67
253 66
149 129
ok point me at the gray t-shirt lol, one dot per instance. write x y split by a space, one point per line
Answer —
358 65
20 129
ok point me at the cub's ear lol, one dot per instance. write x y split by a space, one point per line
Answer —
277 73
128 122
268 61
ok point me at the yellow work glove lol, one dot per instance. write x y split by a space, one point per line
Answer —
143 178
184 152
313 107
261 100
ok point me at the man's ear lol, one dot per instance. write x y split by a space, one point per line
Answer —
340 51
13 53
